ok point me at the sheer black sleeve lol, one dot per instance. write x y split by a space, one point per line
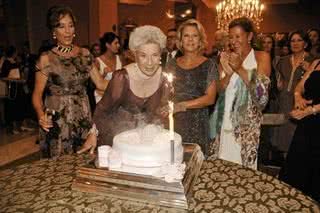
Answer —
111 101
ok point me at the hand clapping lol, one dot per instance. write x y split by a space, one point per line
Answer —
235 61
224 61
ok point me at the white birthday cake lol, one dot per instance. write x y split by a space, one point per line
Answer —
143 150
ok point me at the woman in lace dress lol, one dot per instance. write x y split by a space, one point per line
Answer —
134 93
62 75
245 88
194 85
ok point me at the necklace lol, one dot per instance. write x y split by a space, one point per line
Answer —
298 62
295 64
64 49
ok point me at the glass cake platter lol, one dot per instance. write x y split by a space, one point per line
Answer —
143 188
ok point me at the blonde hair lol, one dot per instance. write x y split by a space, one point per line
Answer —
145 35
199 27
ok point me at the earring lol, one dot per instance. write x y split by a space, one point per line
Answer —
54 36
74 35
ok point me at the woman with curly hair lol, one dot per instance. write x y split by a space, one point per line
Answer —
63 73
134 93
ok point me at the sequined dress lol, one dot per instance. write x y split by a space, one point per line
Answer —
193 124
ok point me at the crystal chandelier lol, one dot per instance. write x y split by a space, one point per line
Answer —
227 10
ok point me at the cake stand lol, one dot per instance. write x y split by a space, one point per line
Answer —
143 188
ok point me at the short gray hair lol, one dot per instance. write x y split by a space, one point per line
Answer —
145 35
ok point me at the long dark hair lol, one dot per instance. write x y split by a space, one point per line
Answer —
272 52
108 37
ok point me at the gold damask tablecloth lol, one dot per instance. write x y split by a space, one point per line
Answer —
45 186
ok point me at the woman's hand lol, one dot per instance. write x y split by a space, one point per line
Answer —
301 103
235 61
179 107
224 61
89 144
45 122
305 65
299 114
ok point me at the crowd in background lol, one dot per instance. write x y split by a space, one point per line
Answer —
220 93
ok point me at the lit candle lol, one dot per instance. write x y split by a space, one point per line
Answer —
169 77
171 122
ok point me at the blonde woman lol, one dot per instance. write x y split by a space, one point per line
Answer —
194 85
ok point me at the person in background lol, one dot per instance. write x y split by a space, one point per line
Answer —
220 43
266 151
126 54
290 70
13 111
302 167
195 80
134 92
95 50
171 52
27 67
109 61
283 48
314 36
61 77
245 87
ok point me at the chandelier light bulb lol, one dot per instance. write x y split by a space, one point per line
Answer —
227 10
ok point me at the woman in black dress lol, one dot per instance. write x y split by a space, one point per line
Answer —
302 166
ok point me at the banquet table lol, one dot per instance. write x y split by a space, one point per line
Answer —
45 186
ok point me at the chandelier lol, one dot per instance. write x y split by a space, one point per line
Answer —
227 10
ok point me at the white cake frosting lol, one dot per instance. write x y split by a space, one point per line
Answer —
146 151
147 147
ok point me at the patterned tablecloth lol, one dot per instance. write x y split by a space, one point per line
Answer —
45 186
